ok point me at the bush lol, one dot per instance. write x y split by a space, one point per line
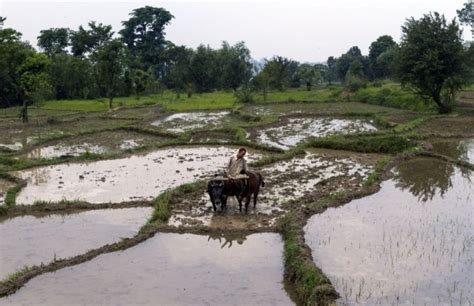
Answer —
244 95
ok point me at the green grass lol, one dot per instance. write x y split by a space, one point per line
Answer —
392 95
14 276
310 284
374 177
364 144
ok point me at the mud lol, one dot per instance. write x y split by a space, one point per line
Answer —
410 243
291 131
138 177
4 186
222 270
34 240
102 142
287 184
181 122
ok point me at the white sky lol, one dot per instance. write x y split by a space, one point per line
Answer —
304 30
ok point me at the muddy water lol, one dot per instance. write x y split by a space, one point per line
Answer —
181 122
294 130
457 149
133 178
30 240
411 243
170 269
4 186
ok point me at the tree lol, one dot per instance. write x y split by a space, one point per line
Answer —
144 35
178 69
381 45
34 84
308 75
111 64
85 42
466 14
277 68
331 74
203 69
262 82
344 62
141 80
432 59
234 66
54 41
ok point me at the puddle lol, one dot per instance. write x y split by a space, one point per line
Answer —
291 131
297 180
170 269
138 177
4 186
457 149
410 243
181 122
30 240
103 142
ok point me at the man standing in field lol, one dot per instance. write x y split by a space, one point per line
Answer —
237 170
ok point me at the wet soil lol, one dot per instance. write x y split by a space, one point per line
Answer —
290 131
287 184
138 177
181 122
410 243
236 270
102 142
35 239
461 126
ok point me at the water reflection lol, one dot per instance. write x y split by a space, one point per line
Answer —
227 239
385 249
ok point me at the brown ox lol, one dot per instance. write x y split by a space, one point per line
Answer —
220 190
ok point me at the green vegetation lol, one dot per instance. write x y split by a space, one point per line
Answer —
309 283
14 276
162 203
374 177
366 144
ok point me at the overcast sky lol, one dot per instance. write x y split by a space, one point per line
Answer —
305 30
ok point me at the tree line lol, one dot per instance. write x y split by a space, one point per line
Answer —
94 61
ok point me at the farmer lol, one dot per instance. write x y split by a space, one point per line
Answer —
237 170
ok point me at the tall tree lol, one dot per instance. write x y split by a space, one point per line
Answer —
234 65
34 83
144 35
278 70
466 14
308 75
378 47
432 59
111 63
344 62
203 69
87 41
54 41
331 75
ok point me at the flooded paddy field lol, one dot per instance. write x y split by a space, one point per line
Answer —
170 269
182 122
461 126
315 109
138 177
35 239
102 142
292 182
410 243
289 131
17 136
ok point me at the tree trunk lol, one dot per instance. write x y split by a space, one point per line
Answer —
443 108
265 95
24 112
308 86
111 98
